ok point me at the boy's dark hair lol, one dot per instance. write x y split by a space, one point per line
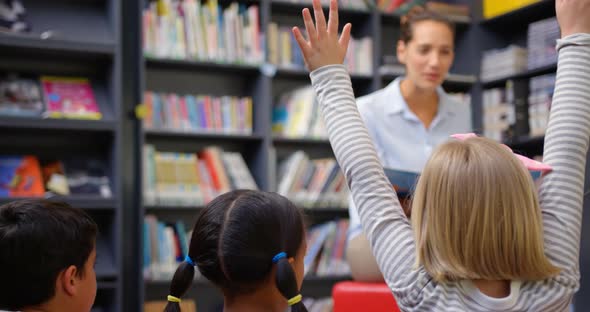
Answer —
418 14
38 240
234 241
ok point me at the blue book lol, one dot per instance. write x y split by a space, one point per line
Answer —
404 181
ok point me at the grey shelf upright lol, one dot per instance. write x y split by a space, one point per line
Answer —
80 39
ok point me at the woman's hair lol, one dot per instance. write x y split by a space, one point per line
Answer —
419 14
476 215
234 241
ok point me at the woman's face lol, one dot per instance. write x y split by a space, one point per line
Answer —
429 55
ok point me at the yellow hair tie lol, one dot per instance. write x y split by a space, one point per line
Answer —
174 299
295 300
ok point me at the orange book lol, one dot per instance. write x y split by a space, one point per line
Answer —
20 176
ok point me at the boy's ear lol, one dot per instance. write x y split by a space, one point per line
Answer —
68 280
291 260
401 51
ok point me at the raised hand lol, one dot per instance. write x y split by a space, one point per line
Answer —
573 16
324 47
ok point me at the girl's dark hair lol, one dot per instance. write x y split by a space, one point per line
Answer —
418 14
234 241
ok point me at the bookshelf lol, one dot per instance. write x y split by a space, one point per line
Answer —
262 149
58 45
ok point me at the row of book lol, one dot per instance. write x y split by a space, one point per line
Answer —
447 8
165 246
30 176
499 63
540 97
312 183
541 38
540 51
192 30
198 113
342 4
511 112
185 179
297 114
48 96
284 52
326 249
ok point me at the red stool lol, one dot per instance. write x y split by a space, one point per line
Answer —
355 296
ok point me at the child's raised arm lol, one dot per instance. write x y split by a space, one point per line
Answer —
566 141
382 217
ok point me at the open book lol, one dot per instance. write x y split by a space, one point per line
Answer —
404 181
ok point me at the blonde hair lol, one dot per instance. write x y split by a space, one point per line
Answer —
476 215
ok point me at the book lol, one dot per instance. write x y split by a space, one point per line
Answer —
87 176
20 176
67 97
20 97
402 181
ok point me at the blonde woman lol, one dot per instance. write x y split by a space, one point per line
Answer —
480 238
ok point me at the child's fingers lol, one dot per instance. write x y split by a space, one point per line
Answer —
303 45
333 17
345 36
311 32
320 20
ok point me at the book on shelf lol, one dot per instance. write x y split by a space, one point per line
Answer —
326 246
69 97
165 247
30 176
48 96
192 179
198 113
20 96
203 31
539 103
284 52
541 39
493 8
500 63
360 5
312 183
13 17
297 115
187 305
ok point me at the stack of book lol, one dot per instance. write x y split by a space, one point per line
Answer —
505 62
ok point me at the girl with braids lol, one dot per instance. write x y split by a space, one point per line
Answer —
251 246
409 117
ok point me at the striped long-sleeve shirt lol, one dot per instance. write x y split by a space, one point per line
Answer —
390 233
